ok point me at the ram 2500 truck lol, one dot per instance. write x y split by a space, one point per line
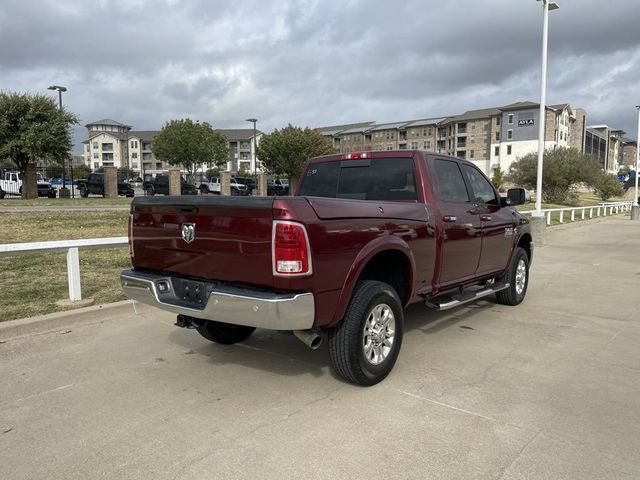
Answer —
364 236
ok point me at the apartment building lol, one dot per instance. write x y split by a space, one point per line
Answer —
492 138
114 144
607 145
629 152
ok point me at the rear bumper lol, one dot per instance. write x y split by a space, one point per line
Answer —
239 306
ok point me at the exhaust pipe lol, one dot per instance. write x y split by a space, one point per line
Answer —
310 338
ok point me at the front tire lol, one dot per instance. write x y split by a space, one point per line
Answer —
224 333
364 347
518 278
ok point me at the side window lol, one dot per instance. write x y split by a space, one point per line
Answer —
450 182
483 192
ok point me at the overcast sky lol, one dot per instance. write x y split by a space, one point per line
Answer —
319 63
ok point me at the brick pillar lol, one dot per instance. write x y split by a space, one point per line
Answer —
30 182
225 183
174 182
262 184
110 182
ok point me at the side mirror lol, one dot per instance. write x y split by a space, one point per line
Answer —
518 196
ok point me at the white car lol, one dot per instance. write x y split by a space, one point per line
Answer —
215 187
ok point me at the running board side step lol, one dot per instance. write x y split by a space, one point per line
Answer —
451 301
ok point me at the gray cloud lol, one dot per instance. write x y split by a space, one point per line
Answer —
314 62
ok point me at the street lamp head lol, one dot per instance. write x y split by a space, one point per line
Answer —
552 5
57 87
252 120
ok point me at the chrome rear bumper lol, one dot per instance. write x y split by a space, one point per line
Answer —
238 306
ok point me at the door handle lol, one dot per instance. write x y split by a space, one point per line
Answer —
450 219
485 218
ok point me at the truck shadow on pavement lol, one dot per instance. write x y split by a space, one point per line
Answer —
281 353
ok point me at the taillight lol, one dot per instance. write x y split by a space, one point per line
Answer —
291 252
130 234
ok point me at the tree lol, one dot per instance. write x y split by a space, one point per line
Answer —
190 144
81 171
562 168
125 173
284 152
498 179
607 186
32 128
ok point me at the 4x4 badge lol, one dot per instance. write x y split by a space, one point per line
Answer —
188 232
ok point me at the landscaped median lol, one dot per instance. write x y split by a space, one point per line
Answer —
31 285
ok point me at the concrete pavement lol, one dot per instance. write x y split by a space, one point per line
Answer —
548 389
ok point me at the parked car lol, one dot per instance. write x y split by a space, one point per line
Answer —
277 186
160 184
94 185
248 182
214 187
11 184
366 235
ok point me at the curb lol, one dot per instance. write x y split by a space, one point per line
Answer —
59 320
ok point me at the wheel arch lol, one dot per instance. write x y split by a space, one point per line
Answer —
385 259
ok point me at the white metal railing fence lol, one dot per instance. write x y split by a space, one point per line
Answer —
73 259
601 209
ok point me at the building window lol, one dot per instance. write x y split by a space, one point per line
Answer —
498 120
496 151
414 145
472 139
508 149
510 119
427 144
471 153
498 136
96 155
95 144
509 134
473 126
88 147
96 165
134 144
134 155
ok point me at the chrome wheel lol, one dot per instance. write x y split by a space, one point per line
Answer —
521 277
378 334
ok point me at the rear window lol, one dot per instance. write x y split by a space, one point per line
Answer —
367 179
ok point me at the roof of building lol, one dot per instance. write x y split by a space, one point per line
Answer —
474 114
107 121
598 127
335 129
425 121
388 126
559 106
630 141
238 133
149 135
520 105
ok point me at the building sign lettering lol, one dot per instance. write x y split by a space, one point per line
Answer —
524 123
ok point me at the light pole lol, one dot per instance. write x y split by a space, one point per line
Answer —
60 90
255 144
635 209
546 6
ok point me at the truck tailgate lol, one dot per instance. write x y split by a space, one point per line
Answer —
232 237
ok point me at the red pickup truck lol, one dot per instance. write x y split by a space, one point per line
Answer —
365 235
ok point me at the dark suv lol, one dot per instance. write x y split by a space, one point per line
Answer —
95 185
160 184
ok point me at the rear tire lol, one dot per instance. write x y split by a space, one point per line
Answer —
1 194
518 278
363 348
224 333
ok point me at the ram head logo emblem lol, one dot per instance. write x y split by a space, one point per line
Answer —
188 232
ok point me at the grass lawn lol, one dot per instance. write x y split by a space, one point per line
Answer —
31 285
64 202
